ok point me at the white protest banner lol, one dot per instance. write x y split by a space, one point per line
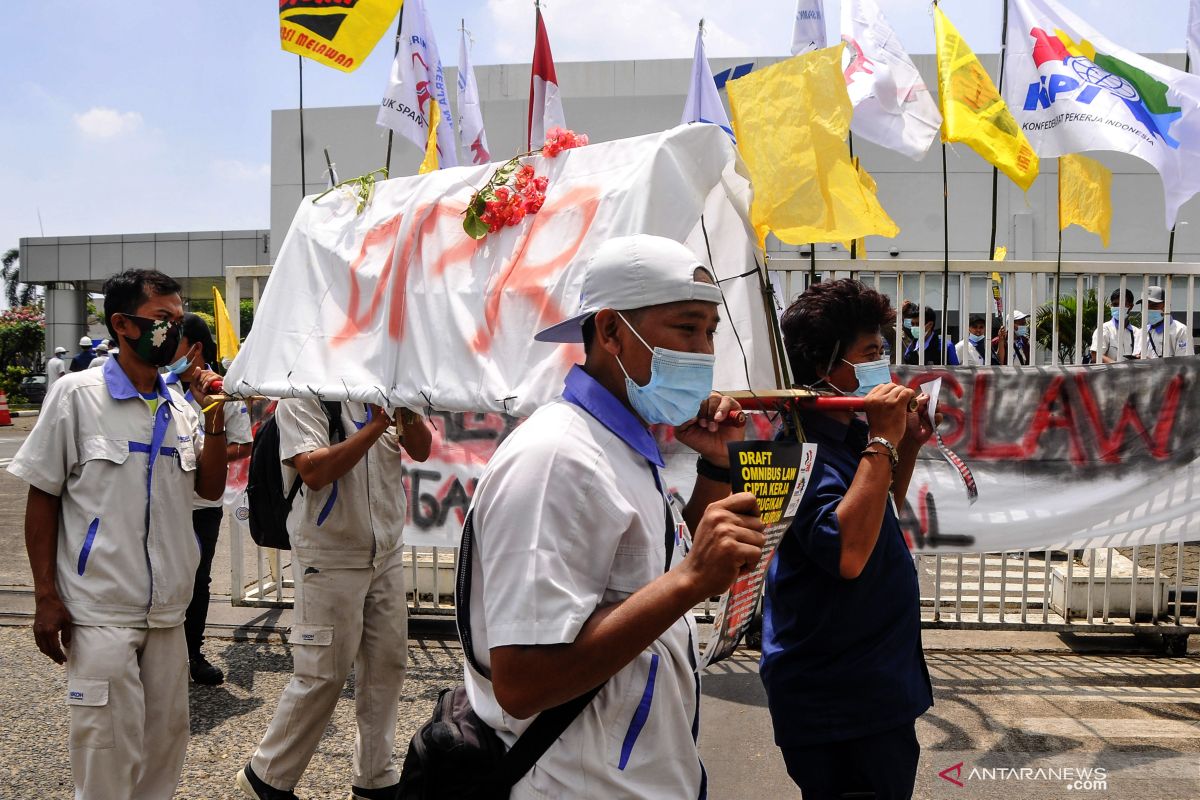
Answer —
1087 456
398 306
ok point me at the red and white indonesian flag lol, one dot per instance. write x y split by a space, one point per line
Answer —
470 118
1072 90
545 106
808 32
416 81
892 106
397 305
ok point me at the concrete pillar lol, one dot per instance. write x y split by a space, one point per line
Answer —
66 318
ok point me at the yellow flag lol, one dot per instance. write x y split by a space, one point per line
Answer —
973 111
227 343
1084 195
1000 254
791 121
859 249
430 164
337 33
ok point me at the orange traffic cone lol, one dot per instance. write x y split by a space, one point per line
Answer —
5 417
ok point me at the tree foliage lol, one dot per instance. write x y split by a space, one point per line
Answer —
16 293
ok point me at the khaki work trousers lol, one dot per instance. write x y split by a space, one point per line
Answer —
344 618
128 693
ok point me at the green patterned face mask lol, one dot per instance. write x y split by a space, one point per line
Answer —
158 339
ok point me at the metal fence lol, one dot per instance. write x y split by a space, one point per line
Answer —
1143 589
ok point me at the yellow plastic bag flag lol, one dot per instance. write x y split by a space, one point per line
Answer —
791 121
1000 254
973 111
227 343
858 247
430 164
1085 195
336 33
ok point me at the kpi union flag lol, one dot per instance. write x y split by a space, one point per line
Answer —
1073 90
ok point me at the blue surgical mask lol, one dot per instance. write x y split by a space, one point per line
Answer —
915 331
1154 317
679 383
1116 315
975 338
870 374
1023 331
180 366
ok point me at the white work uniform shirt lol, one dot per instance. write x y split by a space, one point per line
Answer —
237 430
125 476
55 369
1117 345
358 519
568 516
968 356
1178 340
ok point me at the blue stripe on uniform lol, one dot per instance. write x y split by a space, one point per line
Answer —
87 544
324 515
640 715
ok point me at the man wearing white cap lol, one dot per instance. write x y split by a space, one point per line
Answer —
1020 345
101 356
1156 339
55 367
577 571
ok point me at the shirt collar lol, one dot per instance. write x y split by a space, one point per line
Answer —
586 392
121 388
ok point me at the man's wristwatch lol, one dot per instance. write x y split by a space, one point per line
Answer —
892 455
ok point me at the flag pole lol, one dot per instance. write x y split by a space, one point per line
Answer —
945 252
853 242
303 178
1187 67
1000 89
387 161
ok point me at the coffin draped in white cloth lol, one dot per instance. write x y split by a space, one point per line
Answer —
398 306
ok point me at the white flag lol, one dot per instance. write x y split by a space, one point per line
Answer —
703 100
809 31
416 81
1072 90
892 106
470 117
1193 46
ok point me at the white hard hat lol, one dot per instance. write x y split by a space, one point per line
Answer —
102 348
85 341
59 350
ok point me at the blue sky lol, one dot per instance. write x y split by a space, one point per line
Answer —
145 115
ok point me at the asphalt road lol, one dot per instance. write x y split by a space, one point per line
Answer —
1016 715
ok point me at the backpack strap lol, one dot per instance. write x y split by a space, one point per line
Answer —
337 433
551 723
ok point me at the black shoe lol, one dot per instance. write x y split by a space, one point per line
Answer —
205 673
386 793
253 786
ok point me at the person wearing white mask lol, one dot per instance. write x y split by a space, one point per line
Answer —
56 367
1161 337
577 566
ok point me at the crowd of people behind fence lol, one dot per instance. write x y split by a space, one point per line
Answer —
578 571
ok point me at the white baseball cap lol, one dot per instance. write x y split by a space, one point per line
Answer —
1155 294
1019 315
630 272
85 341
58 350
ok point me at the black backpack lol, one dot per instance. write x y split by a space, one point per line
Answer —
269 504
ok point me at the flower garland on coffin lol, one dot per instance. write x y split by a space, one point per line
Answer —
515 190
